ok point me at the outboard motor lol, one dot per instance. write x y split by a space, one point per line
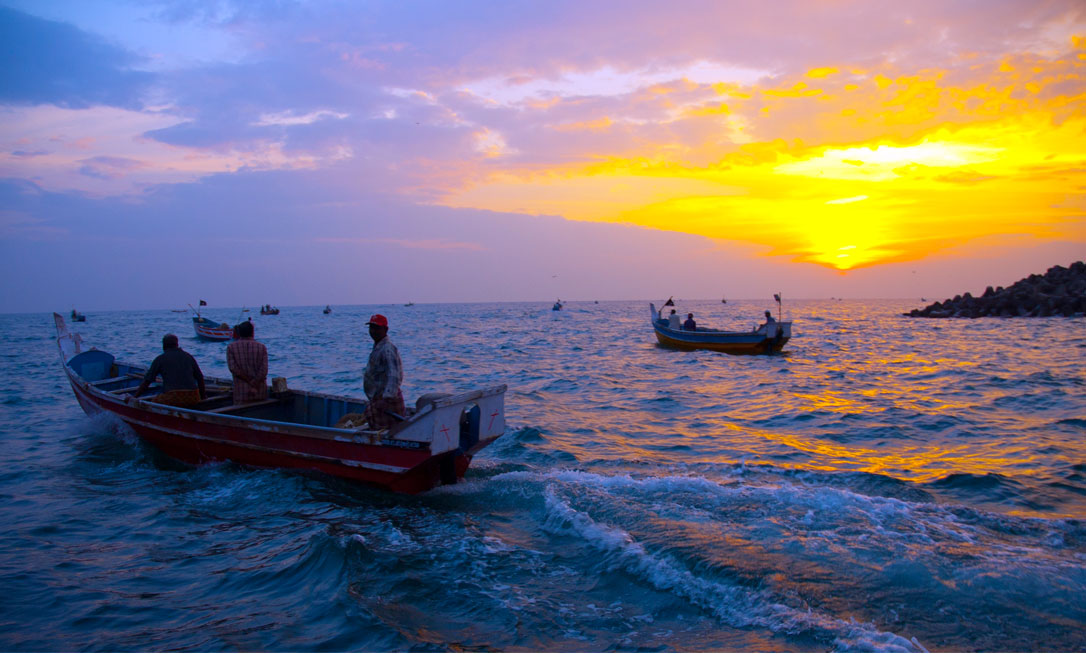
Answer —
469 427
469 436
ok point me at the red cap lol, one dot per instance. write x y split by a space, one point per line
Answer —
378 319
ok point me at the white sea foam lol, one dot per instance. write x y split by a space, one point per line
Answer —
838 527
108 422
735 605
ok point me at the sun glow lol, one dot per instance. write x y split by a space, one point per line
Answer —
869 168
886 162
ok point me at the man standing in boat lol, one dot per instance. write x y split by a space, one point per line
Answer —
769 320
382 378
182 380
248 363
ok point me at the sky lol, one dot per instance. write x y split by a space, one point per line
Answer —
315 152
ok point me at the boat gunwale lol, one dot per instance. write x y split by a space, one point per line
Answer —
299 429
293 428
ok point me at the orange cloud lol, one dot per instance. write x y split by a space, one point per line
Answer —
872 167
588 125
817 73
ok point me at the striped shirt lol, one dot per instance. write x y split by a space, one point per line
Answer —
248 362
384 371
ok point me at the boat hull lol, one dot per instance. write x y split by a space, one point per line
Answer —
771 338
433 446
212 331
760 346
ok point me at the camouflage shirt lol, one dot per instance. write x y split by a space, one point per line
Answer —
384 371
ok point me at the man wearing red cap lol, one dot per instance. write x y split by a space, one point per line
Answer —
383 376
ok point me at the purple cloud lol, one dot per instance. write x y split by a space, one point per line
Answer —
45 61
108 167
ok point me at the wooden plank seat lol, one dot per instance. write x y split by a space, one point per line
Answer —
212 398
103 382
213 401
238 407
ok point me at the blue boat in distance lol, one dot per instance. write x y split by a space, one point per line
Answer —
557 306
764 340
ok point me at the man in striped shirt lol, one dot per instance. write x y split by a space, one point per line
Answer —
248 362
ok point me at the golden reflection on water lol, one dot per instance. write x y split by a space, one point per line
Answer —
918 464
981 408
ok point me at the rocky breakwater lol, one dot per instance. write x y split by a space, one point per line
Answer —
1059 292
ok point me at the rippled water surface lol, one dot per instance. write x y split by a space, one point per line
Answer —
885 484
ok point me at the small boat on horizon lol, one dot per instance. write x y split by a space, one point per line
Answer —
78 317
327 309
765 340
557 306
269 310
432 445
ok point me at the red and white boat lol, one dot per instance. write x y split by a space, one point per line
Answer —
432 445
211 330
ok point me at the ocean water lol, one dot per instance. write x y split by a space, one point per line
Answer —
885 484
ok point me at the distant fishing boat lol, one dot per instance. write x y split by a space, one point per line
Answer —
210 330
557 306
768 339
723 300
78 317
432 445
327 309
269 310
410 304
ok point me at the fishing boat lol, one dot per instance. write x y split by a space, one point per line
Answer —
432 445
269 310
210 330
327 309
78 317
557 306
764 340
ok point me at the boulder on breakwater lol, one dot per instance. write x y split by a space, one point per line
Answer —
1059 292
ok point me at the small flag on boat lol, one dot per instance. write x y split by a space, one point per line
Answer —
203 303
777 297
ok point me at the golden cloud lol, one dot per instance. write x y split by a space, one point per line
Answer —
871 167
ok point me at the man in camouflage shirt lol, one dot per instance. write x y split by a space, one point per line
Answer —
383 376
